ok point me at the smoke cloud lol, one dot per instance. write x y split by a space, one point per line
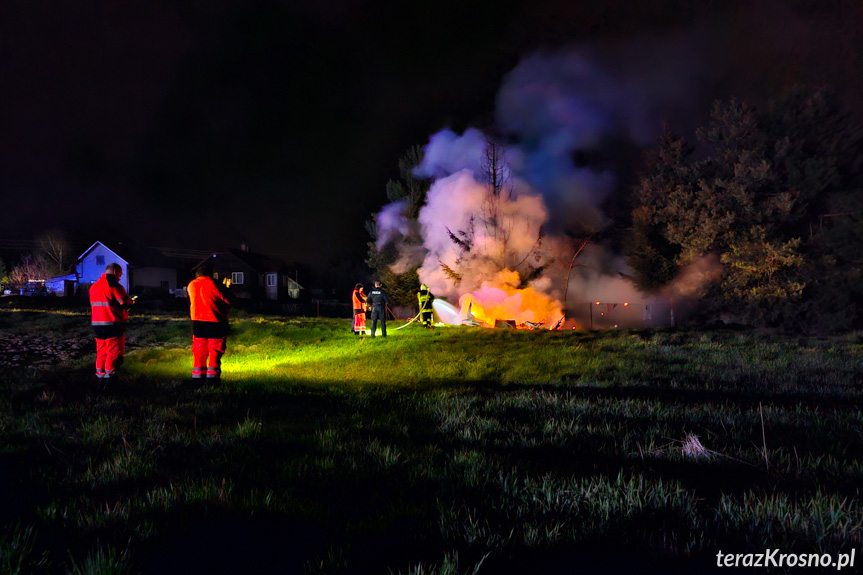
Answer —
573 122
451 204
392 223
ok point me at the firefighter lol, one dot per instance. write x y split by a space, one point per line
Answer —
109 306
377 300
358 299
209 311
425 298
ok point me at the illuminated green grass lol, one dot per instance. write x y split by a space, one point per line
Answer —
453 450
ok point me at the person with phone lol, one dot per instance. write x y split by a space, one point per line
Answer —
209 307
109 308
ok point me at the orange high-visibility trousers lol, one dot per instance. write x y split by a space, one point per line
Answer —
108 352
207 355
359 322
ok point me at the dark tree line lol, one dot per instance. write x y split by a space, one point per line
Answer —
766 203
774 196
410 190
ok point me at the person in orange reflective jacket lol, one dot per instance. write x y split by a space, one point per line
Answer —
358 299
109 307
209 311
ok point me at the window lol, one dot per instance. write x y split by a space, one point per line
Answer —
271 280
237 278
215 275
100 260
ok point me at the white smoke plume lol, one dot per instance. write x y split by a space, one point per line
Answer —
392 224
593 103
452 202
692 280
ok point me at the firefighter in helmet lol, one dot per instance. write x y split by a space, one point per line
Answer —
425 298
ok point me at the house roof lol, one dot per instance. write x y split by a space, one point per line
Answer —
150 257
94 246
260 263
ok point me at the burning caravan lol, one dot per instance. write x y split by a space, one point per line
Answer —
589 315
644 313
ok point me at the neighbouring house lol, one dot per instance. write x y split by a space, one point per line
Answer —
62 285
254 276
90 266
164 271
145 270
157 271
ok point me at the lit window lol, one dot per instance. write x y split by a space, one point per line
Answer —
271 280
237 278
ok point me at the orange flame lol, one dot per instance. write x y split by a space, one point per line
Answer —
500 299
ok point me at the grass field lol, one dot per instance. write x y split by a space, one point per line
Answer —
458 450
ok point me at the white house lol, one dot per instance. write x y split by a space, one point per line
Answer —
91 264
145 269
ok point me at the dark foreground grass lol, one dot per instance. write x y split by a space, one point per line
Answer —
453 451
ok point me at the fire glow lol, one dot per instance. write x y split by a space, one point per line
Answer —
501 300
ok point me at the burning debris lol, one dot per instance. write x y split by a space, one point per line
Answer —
502 301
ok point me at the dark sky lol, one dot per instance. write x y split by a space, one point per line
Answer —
204 124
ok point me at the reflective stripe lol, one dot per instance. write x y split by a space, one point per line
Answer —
103 323
100 304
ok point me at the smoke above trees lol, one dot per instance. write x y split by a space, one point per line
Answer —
573 125
559 117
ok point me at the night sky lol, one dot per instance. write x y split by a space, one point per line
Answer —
207 124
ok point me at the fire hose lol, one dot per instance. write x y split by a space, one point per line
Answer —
416 317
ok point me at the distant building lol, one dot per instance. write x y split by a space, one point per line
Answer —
145 269
90 266
163 271
254 276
